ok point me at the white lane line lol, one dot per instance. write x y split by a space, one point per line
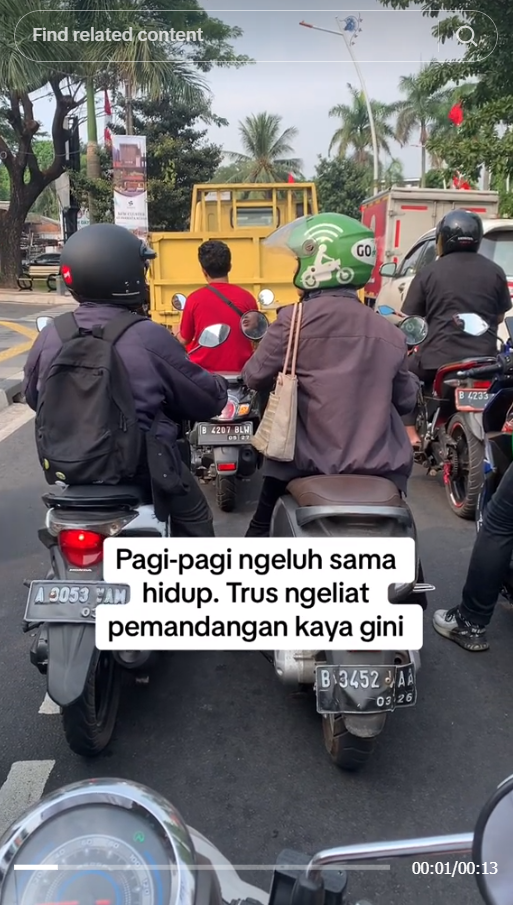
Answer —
14 417
49 706
23 787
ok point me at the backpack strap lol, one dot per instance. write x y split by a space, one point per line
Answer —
226 301
66 327
114 330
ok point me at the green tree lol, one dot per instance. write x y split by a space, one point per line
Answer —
392 173
266 150
65 70
178 157
485 137
355 132
342 184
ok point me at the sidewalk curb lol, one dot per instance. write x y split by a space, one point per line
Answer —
11 394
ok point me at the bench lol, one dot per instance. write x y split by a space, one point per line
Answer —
49 272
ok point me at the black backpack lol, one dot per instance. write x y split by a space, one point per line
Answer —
86 422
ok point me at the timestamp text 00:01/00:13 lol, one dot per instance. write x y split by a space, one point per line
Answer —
459 867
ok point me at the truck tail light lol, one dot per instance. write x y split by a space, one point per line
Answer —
81 548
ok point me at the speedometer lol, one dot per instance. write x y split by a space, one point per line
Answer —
92 870
106 842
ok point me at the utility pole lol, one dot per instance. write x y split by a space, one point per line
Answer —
129 109
72 162
353 26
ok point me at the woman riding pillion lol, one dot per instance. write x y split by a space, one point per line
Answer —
353 379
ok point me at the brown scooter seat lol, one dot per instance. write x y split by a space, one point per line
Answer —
344 490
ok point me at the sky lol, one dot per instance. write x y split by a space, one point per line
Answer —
300 73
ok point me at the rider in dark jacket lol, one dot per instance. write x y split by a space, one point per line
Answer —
104 268
459 282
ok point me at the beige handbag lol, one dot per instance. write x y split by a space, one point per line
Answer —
276 434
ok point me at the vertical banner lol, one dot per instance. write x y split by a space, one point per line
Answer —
130 187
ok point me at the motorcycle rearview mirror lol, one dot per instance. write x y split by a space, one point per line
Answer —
415 330
178 301
266 297
254 325
472 324
42 322
214 336
491 850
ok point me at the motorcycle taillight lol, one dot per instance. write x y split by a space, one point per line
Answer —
81 548
229 412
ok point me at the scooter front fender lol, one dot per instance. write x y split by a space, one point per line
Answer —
71 649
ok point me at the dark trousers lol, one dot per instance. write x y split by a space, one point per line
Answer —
427 378
491 556
272 490
190 514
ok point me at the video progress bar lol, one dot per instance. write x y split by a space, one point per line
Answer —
217 867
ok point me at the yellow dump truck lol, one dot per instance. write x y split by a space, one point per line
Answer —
242 215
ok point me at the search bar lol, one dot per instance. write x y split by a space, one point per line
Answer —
273 36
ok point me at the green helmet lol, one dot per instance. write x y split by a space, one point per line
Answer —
332 250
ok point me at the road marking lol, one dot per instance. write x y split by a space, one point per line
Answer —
20 328
23 787
15 350
14 417
49 706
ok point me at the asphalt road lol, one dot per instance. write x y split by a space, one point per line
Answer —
240 756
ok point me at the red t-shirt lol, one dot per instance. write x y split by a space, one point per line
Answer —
204 309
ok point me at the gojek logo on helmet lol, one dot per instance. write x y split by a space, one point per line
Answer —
324 267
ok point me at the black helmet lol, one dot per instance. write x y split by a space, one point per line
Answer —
459 230
106 264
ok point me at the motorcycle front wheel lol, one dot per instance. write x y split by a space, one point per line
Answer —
89 722
349 752
465 475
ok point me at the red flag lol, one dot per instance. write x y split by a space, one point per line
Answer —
456 114
107 136
107 108
460 183
290 178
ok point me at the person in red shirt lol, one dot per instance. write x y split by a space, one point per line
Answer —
219 302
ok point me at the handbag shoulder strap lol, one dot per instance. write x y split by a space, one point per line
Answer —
299 307
293 342
225 300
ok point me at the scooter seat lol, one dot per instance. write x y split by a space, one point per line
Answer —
344 490
97 496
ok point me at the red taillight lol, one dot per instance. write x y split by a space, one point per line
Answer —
482 384
227 466
81 548
229 412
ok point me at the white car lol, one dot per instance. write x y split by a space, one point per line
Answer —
497 245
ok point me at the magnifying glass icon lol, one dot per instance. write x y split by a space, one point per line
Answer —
467 40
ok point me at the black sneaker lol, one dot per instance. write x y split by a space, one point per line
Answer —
450 624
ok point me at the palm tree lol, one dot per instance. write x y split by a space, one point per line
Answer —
355 131
266 150
423 110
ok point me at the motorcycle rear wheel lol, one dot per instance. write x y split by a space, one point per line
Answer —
348 752
464 501
226 493
89 722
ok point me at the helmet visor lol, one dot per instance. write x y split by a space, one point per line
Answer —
289 239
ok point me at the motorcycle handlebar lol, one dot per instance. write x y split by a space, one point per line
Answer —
503 364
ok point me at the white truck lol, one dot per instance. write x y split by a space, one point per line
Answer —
403 219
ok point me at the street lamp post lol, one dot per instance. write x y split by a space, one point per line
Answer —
352 26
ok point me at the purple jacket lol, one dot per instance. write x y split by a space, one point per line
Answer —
353 387
161 376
